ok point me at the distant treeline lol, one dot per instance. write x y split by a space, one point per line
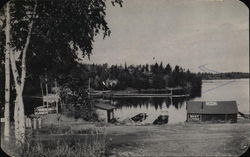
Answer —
229 75
155 76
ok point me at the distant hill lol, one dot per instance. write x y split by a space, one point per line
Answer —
228 75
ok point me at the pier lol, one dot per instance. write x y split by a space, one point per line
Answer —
134 95
140 95
115 94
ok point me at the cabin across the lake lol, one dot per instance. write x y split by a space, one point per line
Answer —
213 111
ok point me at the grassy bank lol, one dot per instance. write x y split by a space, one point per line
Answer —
96 139
79 145
59 141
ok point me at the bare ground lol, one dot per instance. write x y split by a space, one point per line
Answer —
179 140
183 139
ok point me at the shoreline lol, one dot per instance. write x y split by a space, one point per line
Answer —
192 139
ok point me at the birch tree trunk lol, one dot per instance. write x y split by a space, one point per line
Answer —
19 115
18 110
7 75
15 75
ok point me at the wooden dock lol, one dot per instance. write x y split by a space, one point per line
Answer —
142 95
139 95
114 94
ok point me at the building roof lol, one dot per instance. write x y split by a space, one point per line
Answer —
212 107
104 106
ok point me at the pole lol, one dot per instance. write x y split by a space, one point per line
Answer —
56 98
89 89
46 86
89 83
171 100
42 90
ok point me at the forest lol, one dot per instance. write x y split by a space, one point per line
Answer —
121 77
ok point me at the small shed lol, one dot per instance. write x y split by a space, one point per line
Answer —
105 107
214 111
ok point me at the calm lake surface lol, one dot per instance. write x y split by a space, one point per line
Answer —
212 90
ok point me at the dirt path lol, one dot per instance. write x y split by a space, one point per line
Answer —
179 140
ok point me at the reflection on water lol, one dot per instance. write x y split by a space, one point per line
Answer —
236 90
156 103
129 107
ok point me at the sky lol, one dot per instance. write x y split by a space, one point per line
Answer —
189 33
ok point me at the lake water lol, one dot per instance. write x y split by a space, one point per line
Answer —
212 90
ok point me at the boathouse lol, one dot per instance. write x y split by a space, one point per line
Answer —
105 111
213 111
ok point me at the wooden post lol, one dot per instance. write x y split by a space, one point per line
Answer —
39 122
89 89
41 85
46 86
108 114
27 122
113 115
56 95
61 106
34 123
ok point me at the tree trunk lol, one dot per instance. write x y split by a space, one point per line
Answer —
17 84
18 110
20 122
7 75
23 74
19 115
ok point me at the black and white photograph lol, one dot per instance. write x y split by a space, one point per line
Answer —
118 78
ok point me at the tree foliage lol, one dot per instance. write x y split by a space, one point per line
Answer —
61 31
157 76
